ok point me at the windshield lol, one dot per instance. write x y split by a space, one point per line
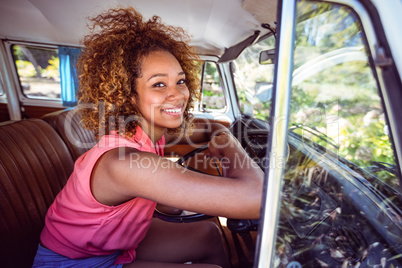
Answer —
334 91
335 101
340 199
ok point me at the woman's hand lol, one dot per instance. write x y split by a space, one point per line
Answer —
224 144
233 158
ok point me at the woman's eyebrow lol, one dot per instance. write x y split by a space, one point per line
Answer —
163 75
157 75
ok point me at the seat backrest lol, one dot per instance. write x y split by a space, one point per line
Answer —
68 124
34 166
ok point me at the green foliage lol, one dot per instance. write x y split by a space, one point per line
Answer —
211 72
25 68
18 53
52 70
212 93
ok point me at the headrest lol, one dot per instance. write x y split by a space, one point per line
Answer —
68 124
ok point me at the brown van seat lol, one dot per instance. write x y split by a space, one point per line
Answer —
68 124
34 166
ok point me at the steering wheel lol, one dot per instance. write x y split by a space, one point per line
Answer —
193 217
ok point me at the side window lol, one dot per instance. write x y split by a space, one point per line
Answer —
253 80
38 71
212 93
341 204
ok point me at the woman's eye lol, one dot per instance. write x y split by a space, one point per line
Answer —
181 81
159 84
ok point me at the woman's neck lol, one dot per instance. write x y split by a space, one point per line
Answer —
153 132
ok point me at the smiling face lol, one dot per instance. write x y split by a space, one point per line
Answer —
162 93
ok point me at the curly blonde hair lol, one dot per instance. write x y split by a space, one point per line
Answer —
111 62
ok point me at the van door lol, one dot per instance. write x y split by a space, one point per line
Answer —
333 184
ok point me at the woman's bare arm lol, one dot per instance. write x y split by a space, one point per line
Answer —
142 174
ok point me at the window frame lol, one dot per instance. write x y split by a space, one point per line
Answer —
229 113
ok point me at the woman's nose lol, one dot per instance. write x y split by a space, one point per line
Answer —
176 92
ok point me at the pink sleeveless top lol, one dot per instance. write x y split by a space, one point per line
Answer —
78 226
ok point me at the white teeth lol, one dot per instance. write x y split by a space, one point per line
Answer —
172 110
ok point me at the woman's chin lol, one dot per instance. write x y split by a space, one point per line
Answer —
174 122
172 126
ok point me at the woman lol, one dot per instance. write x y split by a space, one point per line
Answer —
138 81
